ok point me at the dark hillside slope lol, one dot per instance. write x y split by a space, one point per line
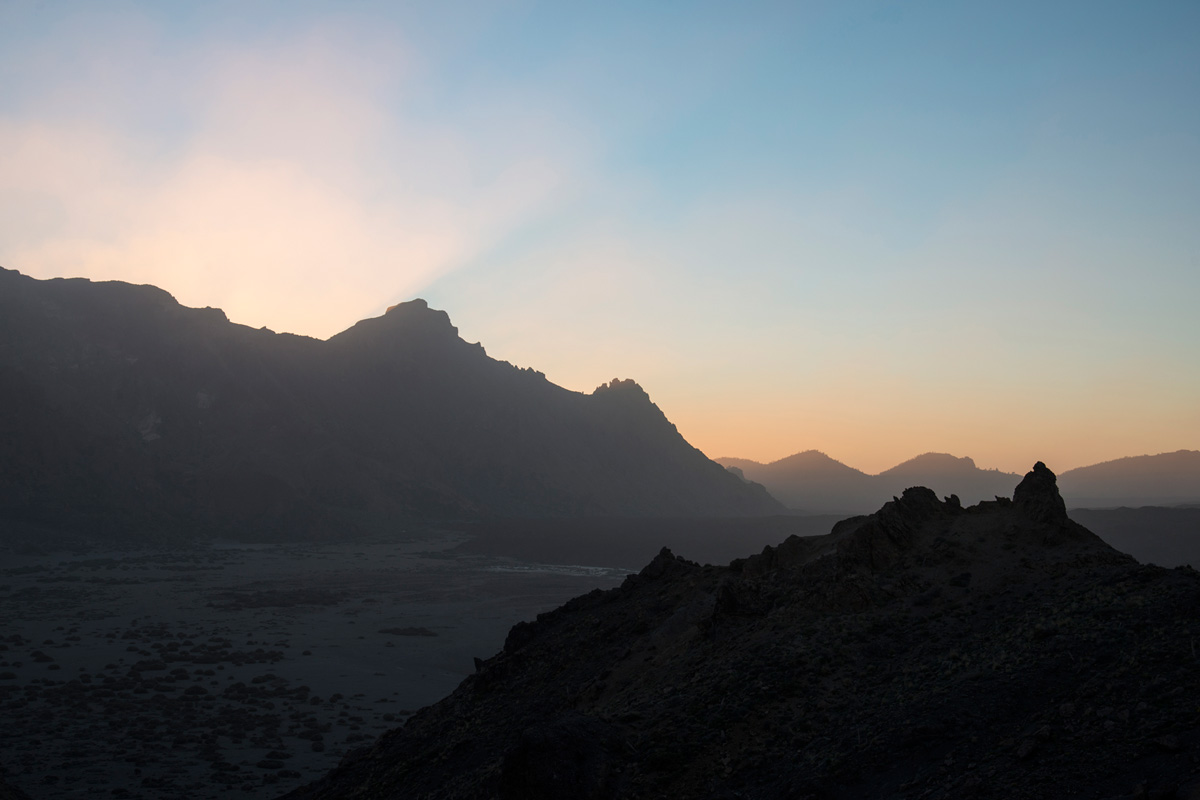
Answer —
924 651
127 411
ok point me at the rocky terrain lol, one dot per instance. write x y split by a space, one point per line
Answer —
129 415
925 651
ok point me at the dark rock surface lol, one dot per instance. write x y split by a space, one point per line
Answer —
928 650
9 793
127 412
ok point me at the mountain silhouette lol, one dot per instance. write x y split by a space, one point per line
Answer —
811 481
815 483
926 650
126 412
1165 479
947 474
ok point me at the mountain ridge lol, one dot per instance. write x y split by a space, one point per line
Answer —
137 414
816 483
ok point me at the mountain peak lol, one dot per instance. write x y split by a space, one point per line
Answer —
416 304
618 385
933 462
413 320
417 311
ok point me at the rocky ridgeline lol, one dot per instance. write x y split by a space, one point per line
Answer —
128 415
927 650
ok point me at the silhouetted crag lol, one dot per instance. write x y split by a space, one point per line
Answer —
125 410
927 650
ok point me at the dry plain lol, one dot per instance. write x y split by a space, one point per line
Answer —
241 671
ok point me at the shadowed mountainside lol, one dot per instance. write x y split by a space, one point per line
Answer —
927 650
128 412
815 483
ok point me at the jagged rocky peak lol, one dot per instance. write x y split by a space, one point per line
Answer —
1037 495
411 321
918 529
629 385
417 313
416 304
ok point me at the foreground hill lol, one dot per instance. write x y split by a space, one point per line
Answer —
125 410
928 650
815 483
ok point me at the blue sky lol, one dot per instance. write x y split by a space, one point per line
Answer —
873 229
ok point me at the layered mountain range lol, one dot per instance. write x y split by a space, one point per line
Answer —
126 411
815 483
927 650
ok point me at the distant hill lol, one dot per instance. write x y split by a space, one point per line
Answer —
948 475
811 481
1165 479
815 483
125 411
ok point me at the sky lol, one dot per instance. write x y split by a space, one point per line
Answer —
870 229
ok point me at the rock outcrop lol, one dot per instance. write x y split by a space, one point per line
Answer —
927 650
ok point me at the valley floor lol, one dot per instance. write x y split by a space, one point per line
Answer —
239 671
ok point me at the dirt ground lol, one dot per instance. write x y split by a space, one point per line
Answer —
241 671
